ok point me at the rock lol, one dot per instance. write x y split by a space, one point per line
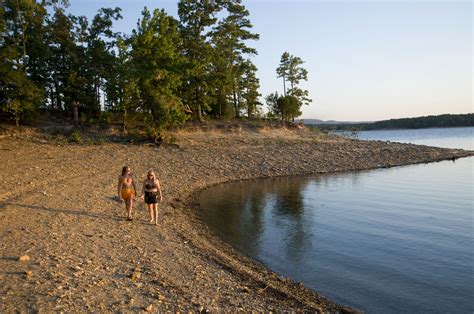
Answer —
149 308
28 273
24 258
135 276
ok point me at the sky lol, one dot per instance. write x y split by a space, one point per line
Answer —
366 60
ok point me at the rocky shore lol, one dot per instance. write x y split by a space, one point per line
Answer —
65 245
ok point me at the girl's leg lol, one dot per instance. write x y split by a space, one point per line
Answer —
155 207
131 205
150 212
128 206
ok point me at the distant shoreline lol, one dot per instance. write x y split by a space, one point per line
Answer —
439 121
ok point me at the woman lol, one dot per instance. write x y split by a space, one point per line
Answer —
151 189
124 190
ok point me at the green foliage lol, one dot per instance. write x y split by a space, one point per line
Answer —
165 72
249 85
76 137
153 132
290 70
21 20
157 65
287 108
229 39
195 18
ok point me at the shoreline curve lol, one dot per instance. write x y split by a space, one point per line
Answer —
61 212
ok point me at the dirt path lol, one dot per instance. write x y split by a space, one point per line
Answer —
58 207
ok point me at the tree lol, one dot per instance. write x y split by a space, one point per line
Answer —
290 70
122 88
195 19
20 19
289 108
65 61
284 69
249 85
229 38
272 103
157 64
100 57
286 107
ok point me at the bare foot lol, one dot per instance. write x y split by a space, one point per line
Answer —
152 221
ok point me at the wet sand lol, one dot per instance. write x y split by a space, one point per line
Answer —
58 206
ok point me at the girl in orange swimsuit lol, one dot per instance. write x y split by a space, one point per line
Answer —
125 191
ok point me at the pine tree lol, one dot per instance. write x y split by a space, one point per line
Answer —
158 64
291 71
20 96
229 38
196 17
249 89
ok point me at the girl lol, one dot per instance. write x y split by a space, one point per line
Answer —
124 190
151 189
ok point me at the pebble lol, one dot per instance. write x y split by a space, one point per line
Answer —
24 258
149 308
135 276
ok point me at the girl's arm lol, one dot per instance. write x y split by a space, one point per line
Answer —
159 190
134 187
119 188
143 188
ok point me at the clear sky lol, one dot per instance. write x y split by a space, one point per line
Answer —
366 60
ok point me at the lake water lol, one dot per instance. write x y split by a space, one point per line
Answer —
440 137
383 241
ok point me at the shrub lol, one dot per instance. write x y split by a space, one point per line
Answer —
76 137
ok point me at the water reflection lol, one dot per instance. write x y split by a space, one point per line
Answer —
390 240
238 210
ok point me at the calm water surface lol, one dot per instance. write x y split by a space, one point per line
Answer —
390 240
440 137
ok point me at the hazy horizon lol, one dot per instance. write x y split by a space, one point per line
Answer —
367 61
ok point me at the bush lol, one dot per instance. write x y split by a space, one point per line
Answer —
76 137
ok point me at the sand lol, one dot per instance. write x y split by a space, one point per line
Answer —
66 246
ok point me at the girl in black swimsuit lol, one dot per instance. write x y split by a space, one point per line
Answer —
151 191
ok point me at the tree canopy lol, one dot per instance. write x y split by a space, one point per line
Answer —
166 70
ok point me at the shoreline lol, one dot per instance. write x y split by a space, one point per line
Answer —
84 254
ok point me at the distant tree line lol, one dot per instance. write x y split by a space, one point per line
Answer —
439 121
166 71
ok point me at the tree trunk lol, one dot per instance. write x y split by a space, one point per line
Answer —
235 101
75 109
199 110
17 119
219 99
124 120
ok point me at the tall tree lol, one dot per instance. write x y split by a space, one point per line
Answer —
100 55
284 69
20 94
196 17
65 61
158 63
230 37
249 88
291 71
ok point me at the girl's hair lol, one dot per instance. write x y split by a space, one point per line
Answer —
124 170
151 172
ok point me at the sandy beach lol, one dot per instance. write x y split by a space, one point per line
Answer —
59 211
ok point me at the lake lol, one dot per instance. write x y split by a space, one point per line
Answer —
385 240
